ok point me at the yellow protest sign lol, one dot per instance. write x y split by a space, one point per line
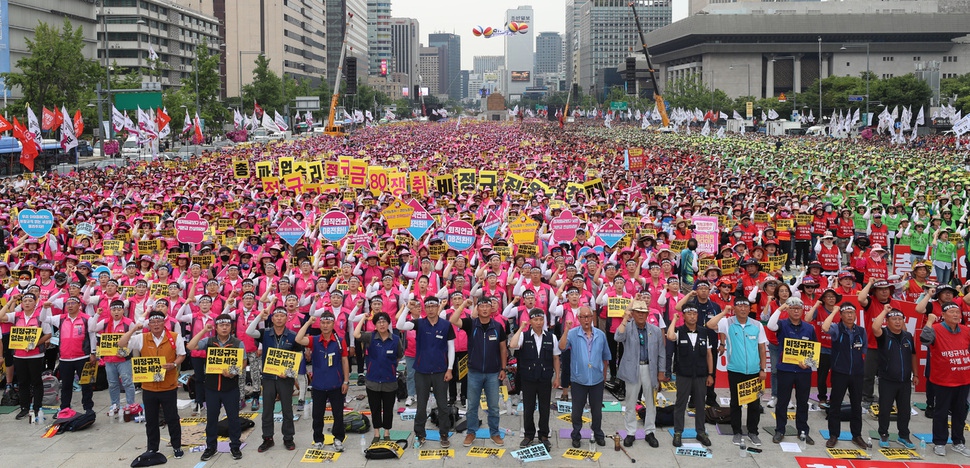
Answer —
419 182
784 224
281 362
513 182
803 219
523 230
192 421
799 351
357 174
577 454
678 245
527 250
568 418
705 263
729 266
748 390
205 261
847 454
264 169
485 452
377 179
899 454
286 166
108 345
435 454
397 183
24 338
761 217
240 169
147 369
319 456
463 367
218 360
111 247
616 306
89 374
398 215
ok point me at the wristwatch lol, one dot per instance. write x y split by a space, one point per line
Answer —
347 383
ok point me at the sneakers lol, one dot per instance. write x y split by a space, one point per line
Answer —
652 440
497 440
703 439
883 441
754 439
266 445
678 439
629 440
236 453
255 406
526 442
208 453
112 412
300 405
23 413
545 441
737 439
360 380
772 402
290 445
178 453
444 442
338 446
791 405
409 401
906 443
962 450
929 412
778 437
940 450
469 440
317 446
576 443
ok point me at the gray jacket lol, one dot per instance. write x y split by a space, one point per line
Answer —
629 366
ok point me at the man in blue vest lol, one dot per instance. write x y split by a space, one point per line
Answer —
797 376
849 344
897 363
331 377
487 356
434 341
538 363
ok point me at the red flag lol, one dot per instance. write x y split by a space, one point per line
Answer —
5 125
29 151
257 110
198 130
47 119
78 123
161 119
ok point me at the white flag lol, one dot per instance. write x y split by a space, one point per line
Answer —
152 55
167 129
187 124
707 128
919 117
33 128
280 122
763 116
737 116
68 138
237 119
772 115
722 115
117 119
268 123
720 132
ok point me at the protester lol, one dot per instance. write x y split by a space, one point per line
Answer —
589 358
949 347
222 389
487 358
29 362
849 345
693 364
384 350
434 357
797 377
897 363
276 386
642 367
538 370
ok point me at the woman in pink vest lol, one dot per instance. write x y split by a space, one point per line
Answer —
28 363
118 367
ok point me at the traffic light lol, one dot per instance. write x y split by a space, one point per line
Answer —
351 75
631 75
576 91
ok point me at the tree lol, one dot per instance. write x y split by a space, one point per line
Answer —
209 85
266 87
905 90
55 72
959 87
690 93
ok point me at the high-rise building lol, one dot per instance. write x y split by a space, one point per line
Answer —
337 14
173 31
549 53
487 63
571 39
519 55
449 64
294 39
608 34
428 71
695 6
405 48
23 18
378 34
464 74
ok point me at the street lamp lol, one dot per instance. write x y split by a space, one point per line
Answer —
241 53
747 66
820 79
849 46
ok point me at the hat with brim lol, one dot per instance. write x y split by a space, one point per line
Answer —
945 287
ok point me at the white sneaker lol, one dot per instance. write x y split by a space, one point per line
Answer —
409 401
771 402
317 445
940 450
962 450
113 411
791 405
338 446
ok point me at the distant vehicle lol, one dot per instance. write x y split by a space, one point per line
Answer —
130 148
263 135
84 149
223 144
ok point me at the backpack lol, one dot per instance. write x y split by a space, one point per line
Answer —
714 415
356 423
223 426
10 398
384 453
52 389
78 423
402 386
434 416
511 376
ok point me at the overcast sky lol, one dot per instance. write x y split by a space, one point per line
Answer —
460 16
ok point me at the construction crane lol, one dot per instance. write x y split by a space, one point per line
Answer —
661 107
332 129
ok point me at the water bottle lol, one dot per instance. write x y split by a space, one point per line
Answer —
922 448
743 450
661 400
802 441
363 443
869 442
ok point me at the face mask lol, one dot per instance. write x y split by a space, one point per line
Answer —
224 258
23 283
828 209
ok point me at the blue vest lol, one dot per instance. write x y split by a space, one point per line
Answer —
328 368
382 358
742 347
804 331
287 342
848 350
431 345
483 347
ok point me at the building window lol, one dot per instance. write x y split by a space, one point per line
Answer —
916 58
950 58
888 59
886 76
848 64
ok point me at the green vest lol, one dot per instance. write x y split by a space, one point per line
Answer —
919 241
904 239
892 221
944 252
859 221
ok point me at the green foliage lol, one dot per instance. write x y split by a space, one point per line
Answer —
905 90
266 87
959 86
55 72
690 93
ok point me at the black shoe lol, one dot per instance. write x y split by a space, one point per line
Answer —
928 413
209 453
778 437
703 439
266 445
236 453
621 396
576 443
289 445
652 440
809 440
628 441
678 439
545 441
23 413
179 453
526 442
360 380
601 441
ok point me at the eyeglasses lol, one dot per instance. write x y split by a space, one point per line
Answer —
585 317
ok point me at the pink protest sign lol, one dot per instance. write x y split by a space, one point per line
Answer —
564 226
191 228
334 226
611 233
460 235
290 231
706 233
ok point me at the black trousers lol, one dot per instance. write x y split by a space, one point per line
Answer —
284 389
801 252
754 408
583 394
381 408
198 366
824 366
535 394
215 400
167 403
802 383
871 367
28 372
899 394
950 400
67 371
840 384
336 399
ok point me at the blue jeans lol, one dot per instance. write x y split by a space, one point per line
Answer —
122 370
477 381
943 275
409 365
